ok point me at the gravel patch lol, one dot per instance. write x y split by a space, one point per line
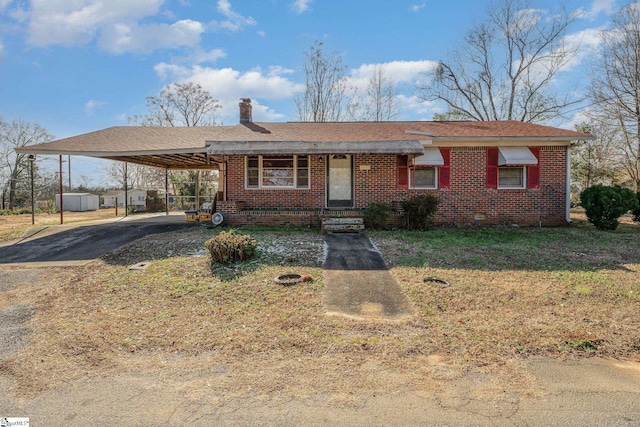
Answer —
12 279
13 329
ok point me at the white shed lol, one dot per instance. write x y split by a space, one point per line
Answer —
78 202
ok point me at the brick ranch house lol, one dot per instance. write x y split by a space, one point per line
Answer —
500 172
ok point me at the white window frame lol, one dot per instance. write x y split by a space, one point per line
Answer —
277 187
412 168
523 169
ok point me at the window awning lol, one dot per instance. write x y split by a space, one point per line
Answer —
516 156
431 157
306 147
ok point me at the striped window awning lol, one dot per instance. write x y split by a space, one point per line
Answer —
431 157
516 156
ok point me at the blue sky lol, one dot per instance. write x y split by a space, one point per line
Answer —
76 66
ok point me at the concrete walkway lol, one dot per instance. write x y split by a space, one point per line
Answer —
357 283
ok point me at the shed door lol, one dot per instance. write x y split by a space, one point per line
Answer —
340 181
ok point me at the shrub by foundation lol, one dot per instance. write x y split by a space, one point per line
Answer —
419 211
231 246
376 215
604 205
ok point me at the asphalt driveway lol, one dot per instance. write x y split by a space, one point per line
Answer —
78 243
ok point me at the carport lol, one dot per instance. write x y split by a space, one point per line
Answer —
168 148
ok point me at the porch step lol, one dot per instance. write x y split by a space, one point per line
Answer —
342 225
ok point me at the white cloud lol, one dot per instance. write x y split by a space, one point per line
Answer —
235 22
586 43
171 71
4 4
607 7
577 118
78 21
212 56
262 33
229 85
415 8
300 6
2 51
114 23
413 108
398 71
121 38
92 105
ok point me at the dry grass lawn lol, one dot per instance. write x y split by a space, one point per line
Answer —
14 226
512 292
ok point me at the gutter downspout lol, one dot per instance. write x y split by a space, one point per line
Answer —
568 189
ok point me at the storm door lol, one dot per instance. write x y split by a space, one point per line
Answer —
340 181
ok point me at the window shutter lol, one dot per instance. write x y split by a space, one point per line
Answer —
403 172
533 171
444 171
492 168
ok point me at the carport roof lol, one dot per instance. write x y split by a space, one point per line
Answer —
187 147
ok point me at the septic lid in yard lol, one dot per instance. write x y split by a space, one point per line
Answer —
288 279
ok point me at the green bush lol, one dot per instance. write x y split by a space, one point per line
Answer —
376 215
636 212
418 211
604 205
230 246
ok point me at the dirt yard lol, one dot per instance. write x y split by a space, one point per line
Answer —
510 294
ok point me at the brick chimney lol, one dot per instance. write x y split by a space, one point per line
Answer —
245 110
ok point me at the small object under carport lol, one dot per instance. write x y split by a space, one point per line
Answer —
217 219
192 216
204 216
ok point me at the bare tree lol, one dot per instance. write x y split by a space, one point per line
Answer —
379 102
616 86
324 98
16 134
595 162
180 104
138 176
505 66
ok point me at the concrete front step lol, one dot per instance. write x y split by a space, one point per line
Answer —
342 225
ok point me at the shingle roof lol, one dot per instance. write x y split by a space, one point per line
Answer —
186 146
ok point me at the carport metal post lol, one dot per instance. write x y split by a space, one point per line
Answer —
32 158
126 190
166 190
61 207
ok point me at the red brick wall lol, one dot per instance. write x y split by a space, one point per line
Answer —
467 201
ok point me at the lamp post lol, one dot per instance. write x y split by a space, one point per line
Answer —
32 158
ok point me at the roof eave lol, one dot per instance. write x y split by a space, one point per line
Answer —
36 150
313 147
512 138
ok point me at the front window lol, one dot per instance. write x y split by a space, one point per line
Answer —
511 177
421 177
277 171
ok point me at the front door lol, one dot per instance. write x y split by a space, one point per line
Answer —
340 181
